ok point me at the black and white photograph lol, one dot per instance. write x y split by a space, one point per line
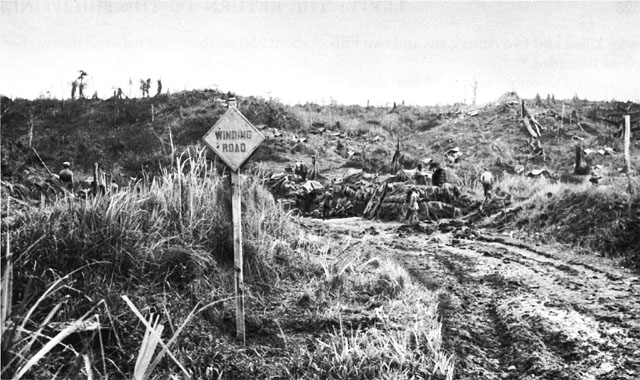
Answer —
320 190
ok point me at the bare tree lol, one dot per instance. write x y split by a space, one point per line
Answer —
74 87
81 85
475 89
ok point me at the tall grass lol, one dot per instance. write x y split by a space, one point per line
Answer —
171 232
399 338
185 212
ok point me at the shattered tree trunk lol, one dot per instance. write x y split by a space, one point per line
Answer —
627 142
627 155
395 161
30 128
94 186
561 120
576 168
580 168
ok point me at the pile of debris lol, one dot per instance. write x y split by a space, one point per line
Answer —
361 193
390 201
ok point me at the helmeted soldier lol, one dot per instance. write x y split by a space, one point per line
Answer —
66 176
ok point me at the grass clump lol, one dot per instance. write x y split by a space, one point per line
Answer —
385 326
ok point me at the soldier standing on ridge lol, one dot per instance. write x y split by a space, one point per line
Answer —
66 176
486 179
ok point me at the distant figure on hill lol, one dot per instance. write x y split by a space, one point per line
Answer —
486 179
439 176
74 87
66 176
413 208
144 87
159 87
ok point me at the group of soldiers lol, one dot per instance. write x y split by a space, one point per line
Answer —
145 86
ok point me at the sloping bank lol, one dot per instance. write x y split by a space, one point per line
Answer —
603 220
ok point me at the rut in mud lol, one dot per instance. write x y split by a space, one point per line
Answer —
511 311
514 310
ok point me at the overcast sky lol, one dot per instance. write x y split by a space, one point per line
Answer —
350 52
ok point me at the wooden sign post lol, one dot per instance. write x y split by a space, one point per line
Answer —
233 138
236 210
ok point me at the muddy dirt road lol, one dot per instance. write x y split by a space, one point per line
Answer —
516 310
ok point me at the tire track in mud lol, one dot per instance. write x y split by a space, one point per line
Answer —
510 312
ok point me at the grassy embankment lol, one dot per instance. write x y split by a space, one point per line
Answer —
158 258
603 220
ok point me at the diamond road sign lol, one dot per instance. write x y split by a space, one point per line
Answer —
233 138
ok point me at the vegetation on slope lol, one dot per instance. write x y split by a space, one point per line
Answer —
603 220
165 244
